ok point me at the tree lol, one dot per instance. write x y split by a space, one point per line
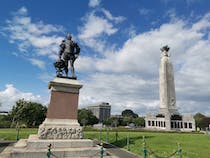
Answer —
86 117
108 121
198 117
201 121
29 113
205 123
5 121
139 121
129 113
127 120
111 121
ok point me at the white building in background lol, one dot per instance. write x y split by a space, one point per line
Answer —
101 110
168 118
4 112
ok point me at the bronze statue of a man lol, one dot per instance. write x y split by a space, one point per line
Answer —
69 51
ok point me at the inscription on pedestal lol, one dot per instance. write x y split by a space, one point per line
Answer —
60 133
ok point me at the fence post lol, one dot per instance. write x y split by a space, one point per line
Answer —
179 151
101 151
107 135
128 141
100 135
144 150
49 153
116 136
17 134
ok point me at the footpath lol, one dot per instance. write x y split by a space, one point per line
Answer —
115 151
4 144
119 152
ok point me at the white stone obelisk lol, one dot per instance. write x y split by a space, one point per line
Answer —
167 88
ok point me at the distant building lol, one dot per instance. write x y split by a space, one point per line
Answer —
101 110
4 112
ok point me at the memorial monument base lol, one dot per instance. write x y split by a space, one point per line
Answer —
60 129
33 147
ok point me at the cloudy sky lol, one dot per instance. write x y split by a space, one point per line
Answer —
120 45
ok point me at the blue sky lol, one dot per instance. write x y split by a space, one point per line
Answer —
120 50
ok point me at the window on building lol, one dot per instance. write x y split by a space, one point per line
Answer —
153 123
178 124
172 124
149 123
175 124
181 124
185 125
161 123
190 125
156 123
164 124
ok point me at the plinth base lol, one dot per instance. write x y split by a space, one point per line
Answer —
37 148
60 129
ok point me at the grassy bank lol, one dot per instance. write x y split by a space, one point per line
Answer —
162 143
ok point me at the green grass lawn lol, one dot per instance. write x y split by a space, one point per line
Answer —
10 133
193 145
163 144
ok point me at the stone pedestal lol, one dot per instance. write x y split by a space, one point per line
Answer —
61 121
64 99
60 129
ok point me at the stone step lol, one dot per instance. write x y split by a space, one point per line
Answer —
60 153
34 142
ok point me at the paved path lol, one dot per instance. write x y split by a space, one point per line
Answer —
115 151
119 152
4 144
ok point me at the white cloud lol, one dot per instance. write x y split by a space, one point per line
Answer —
128 77
131 31
94 3
85 64
94 30
39 63
109 16
45 77
97 28
10 95
94 26
144 11
33 39
202 24
120 90
22 11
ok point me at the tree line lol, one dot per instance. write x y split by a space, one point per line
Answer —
31 114
25 114
127 118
